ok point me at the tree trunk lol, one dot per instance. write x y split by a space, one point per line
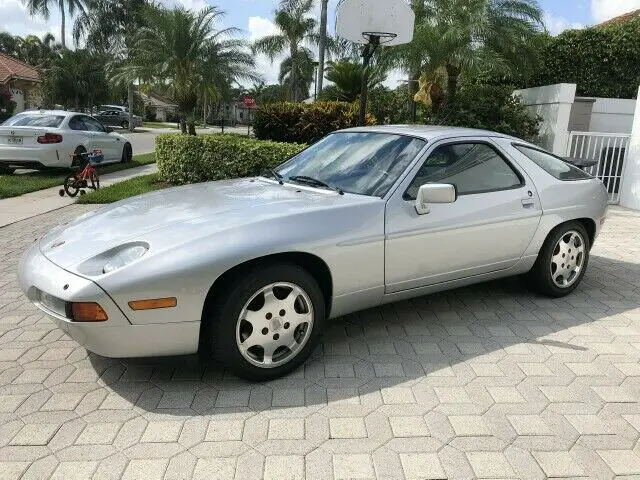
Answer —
323 45
204 109
63 24
414 75
294 74
183 126
130 100
191 125
453 74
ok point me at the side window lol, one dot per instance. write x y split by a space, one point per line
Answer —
553 165
76 123
471 167
93 125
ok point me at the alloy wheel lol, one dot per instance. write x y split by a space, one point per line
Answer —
274 325
567 259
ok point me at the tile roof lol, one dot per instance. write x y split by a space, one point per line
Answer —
622 18
12 68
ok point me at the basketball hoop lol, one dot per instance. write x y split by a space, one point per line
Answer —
373 23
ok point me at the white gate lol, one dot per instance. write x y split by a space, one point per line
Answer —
610 151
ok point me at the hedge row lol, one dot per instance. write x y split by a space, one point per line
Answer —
190 159
305 123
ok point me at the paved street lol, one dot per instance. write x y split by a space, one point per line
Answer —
488 381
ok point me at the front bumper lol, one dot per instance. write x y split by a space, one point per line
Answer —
116 337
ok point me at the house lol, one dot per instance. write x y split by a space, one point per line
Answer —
162 106
622 18
23 81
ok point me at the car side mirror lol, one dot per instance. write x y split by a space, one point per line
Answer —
109 129
434 193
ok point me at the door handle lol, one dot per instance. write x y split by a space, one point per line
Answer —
528 202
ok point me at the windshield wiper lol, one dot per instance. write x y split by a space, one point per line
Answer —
314 182
270 172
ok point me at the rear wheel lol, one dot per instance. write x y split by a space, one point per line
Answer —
562 262
71 185
125 125
127 153
268 322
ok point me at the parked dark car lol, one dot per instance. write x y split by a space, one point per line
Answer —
117 118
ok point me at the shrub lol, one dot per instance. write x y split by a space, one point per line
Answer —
490 108
304 123
190 159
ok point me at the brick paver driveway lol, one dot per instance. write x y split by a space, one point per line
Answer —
489 381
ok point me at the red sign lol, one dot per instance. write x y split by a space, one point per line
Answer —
249 102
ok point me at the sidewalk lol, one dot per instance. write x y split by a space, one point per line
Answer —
29 205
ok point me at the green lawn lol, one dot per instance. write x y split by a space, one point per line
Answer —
19 184
125 189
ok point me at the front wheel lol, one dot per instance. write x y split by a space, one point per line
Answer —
268 322
4 170
71 185
562 262
127 153
95 181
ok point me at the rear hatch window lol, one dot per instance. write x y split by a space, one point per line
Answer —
25 120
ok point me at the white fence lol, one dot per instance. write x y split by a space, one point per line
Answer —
610 151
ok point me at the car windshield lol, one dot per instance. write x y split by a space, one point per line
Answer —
25 120
364 163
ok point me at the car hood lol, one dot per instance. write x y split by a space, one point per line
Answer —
169 217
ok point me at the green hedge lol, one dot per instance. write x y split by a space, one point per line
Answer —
190 159
305 123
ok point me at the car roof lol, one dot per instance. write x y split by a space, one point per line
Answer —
429 132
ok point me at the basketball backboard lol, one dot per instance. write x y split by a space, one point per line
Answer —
360 20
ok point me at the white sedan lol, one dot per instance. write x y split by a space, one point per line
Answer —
46 138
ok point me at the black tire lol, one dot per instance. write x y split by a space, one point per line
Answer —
223 319
125 125
71 185
6 170
540 278
127 153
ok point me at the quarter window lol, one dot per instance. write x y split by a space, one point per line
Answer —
471 167
553 165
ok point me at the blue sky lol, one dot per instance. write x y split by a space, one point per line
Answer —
253 17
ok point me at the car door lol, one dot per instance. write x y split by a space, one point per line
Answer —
83 136
110 145
488 228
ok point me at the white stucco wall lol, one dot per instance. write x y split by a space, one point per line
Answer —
630 192
612 115
552 103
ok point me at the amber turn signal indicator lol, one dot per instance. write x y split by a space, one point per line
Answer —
153 303
88 312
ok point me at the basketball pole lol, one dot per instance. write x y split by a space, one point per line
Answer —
367 53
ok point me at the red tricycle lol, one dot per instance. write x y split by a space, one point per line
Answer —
86 177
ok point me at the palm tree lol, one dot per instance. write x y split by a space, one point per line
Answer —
108 27
476 32
322 44
42 8
184 51
303 74
347 77
295 28
461 35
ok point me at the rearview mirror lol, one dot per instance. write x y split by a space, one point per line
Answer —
109 129
434 193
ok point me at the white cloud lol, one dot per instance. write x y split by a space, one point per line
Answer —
557 25
603 10
259 27
15 19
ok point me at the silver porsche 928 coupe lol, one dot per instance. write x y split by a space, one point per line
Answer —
251 269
